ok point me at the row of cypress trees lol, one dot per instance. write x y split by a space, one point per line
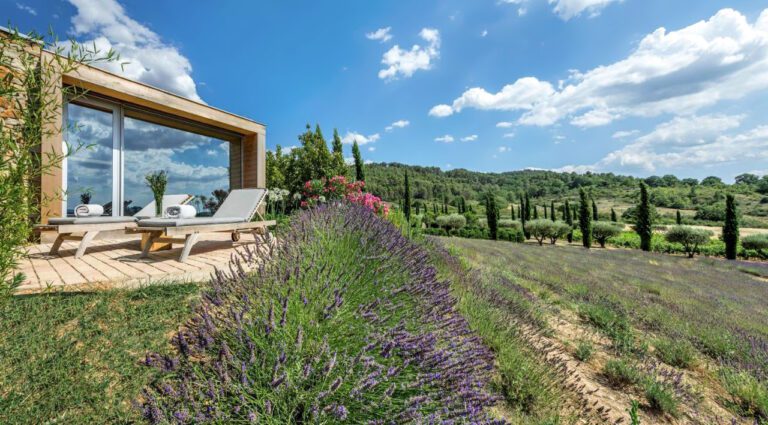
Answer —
587 212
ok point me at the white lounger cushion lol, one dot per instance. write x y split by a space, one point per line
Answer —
149 210
241 203
197 221
91 220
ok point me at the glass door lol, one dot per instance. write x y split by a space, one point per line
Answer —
92 169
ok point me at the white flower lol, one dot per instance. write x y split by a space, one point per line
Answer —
321 198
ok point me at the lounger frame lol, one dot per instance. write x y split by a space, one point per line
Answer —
188 235
89 232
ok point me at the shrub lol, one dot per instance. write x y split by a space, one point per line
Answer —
677 352
509 224
620 373
661 397
584 350
689 237
602 230
758 242
344 321
714 212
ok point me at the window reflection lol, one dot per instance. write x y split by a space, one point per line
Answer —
89 167
196 165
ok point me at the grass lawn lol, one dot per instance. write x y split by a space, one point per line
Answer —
76 358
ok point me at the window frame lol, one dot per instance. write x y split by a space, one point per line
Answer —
118 110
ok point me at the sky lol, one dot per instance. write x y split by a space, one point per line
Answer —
638 87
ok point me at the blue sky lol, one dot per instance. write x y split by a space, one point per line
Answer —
633 87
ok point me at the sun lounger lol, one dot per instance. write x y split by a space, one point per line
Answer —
66 227
234 216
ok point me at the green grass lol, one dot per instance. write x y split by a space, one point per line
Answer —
661 397
75 358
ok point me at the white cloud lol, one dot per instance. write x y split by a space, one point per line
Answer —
26 8
470 138
503 149
371 148
398 124
445 139
504 124
670 72
144 56
405 63
441 111
353 136
521 95
448 166
624 134
567 9
508 135
381 34
693 141
484 33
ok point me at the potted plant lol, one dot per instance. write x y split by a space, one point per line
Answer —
157 181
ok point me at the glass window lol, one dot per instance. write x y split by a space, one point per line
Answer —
89 167
196 165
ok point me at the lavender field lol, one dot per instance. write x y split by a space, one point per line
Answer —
687 338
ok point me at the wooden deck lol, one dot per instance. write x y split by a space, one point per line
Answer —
117 264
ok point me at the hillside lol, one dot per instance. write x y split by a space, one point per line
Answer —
695 198
582 333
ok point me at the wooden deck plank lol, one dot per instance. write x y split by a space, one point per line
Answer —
112 263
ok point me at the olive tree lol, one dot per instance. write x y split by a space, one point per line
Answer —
452 221
544 229
604 230
690 237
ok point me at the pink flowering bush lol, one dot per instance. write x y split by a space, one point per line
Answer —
337 188
372 202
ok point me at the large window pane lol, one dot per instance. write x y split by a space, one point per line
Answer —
89 168
196 165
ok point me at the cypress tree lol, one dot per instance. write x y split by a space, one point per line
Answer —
340 167
523 219
434 208
492 215
644 225
407 197
613 216
569 220
527 207
585 220
678 218
416 207
730 228
512 211
594 211
552 211
535 212
359 173
545 212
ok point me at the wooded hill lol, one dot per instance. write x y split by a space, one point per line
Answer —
704 200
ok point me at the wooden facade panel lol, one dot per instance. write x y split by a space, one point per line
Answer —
235 165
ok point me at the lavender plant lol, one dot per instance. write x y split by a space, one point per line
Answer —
344 321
